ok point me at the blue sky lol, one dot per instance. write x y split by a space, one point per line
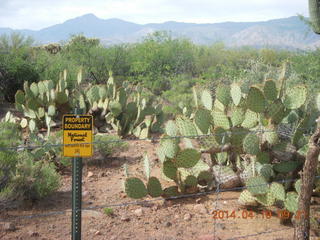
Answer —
37 14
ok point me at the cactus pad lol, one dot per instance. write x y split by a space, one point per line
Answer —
291 202
170 147
237 117
251 119
263 157
172 191
271 136
255 100
251 144
246 198
223 94
257 185
19 97
266 199
62 98
115 108
295 97
206 99
278 191
171 129
187 158
191 181
220 119
186 127
297 186
135 188
286 167
51 110
266 171
203 120
236 93
169 170
154 187
270 90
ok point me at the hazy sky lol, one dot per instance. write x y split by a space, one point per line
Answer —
37 14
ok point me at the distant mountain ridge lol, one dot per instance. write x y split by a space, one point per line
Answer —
288 33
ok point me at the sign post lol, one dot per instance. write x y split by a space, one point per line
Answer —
77 143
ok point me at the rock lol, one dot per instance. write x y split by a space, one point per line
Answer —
198 200
138 212
155 207
85 194
101 174
176 216
167 224
200 208
187 217
225 202
91 214
125 218
9 226
115 163
221 226
208 237
33 234
97 233
90 174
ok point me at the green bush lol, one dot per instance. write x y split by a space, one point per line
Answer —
10 134
107 145
108 211
23 174
28 179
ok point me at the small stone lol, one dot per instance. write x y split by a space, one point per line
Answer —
155 207
176 216
167 224
90 174
9 226
125 218
168 203
198 200
200 208
97 233
187 217
91 214
101 174
115 163
138 212
33 234
225 202
85 194
222 226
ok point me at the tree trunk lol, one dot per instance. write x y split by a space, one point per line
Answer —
302 225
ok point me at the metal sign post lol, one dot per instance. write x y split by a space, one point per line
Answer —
77 143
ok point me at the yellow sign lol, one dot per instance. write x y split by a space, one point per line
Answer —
77 135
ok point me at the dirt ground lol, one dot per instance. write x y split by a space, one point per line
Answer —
181 219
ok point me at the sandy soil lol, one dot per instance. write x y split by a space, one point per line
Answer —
181 219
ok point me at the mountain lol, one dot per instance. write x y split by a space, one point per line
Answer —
288 33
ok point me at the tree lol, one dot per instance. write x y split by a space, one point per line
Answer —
302 231
15 65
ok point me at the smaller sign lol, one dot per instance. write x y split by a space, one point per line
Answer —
77 135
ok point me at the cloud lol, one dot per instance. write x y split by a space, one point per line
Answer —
37 14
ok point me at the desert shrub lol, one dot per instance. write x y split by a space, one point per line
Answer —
10 134
23 174
107 145
29 179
